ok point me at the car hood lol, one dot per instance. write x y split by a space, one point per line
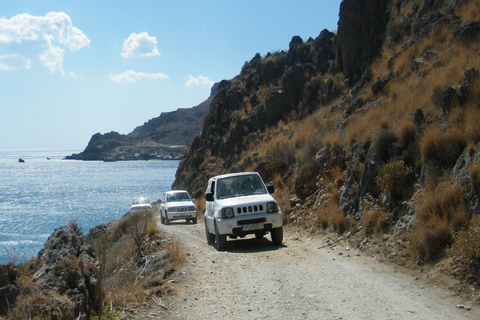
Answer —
246 200
180 204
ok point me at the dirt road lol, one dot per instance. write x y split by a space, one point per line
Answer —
303 279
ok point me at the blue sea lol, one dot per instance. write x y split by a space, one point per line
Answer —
46 192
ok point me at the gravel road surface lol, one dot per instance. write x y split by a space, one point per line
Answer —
303 279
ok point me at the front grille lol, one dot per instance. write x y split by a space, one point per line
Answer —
250 221
250 209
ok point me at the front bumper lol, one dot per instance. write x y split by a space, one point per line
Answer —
181 215
249 224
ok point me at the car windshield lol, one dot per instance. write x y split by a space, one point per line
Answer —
239 186
178 197
140 201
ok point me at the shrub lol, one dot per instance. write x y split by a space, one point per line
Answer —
332 181
475 176
375 221
466 251
430 239
440 213
382 144
387 180
75 227
442 148
322 217
305 180
446 203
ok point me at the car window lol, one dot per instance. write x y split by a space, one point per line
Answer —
178 197
239 186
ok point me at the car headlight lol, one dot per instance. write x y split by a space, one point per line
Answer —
271 207
227 213
171 209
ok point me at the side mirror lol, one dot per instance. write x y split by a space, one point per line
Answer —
209 196
271 189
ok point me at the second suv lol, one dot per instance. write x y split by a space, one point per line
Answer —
177 204
238 204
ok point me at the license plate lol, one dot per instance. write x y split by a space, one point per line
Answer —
255 226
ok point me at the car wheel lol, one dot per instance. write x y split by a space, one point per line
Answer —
220 240
194 220
210 237
277 235
167 221
162 219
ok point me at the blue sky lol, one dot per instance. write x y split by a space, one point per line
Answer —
70 69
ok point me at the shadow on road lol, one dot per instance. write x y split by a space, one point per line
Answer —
251 245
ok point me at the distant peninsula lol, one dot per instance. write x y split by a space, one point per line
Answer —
166 137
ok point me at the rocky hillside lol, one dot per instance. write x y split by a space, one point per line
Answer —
371 132
165 137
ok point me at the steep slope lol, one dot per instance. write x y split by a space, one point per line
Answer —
164 137
371 132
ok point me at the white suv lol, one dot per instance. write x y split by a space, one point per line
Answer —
238 204
177 204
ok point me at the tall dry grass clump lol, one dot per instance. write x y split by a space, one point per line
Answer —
441 212
387 180
469 10
466 251
441 149
375 221
332 181
331 215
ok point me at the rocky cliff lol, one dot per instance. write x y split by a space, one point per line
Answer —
165 137
365 131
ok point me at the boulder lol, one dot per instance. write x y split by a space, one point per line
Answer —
468 32
68 276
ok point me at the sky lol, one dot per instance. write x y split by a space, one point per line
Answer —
71 69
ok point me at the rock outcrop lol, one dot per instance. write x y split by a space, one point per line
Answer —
65 284
361 34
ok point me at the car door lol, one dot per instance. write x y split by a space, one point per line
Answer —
210 207
162 205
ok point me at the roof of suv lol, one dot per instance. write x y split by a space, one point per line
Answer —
234 175
176 191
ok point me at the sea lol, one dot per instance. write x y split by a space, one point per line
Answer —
45 192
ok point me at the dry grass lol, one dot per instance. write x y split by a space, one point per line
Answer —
469 11
442 148
466 252
474 175
375 221
201 205
332 181
429 239
28 301
329 214
440 213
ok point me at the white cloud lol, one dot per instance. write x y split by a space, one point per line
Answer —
35 37
132 76
139 46
13 61
199 81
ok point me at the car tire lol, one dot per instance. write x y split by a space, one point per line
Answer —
277 235
210 236
194 220
167 221
162 219
220 240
